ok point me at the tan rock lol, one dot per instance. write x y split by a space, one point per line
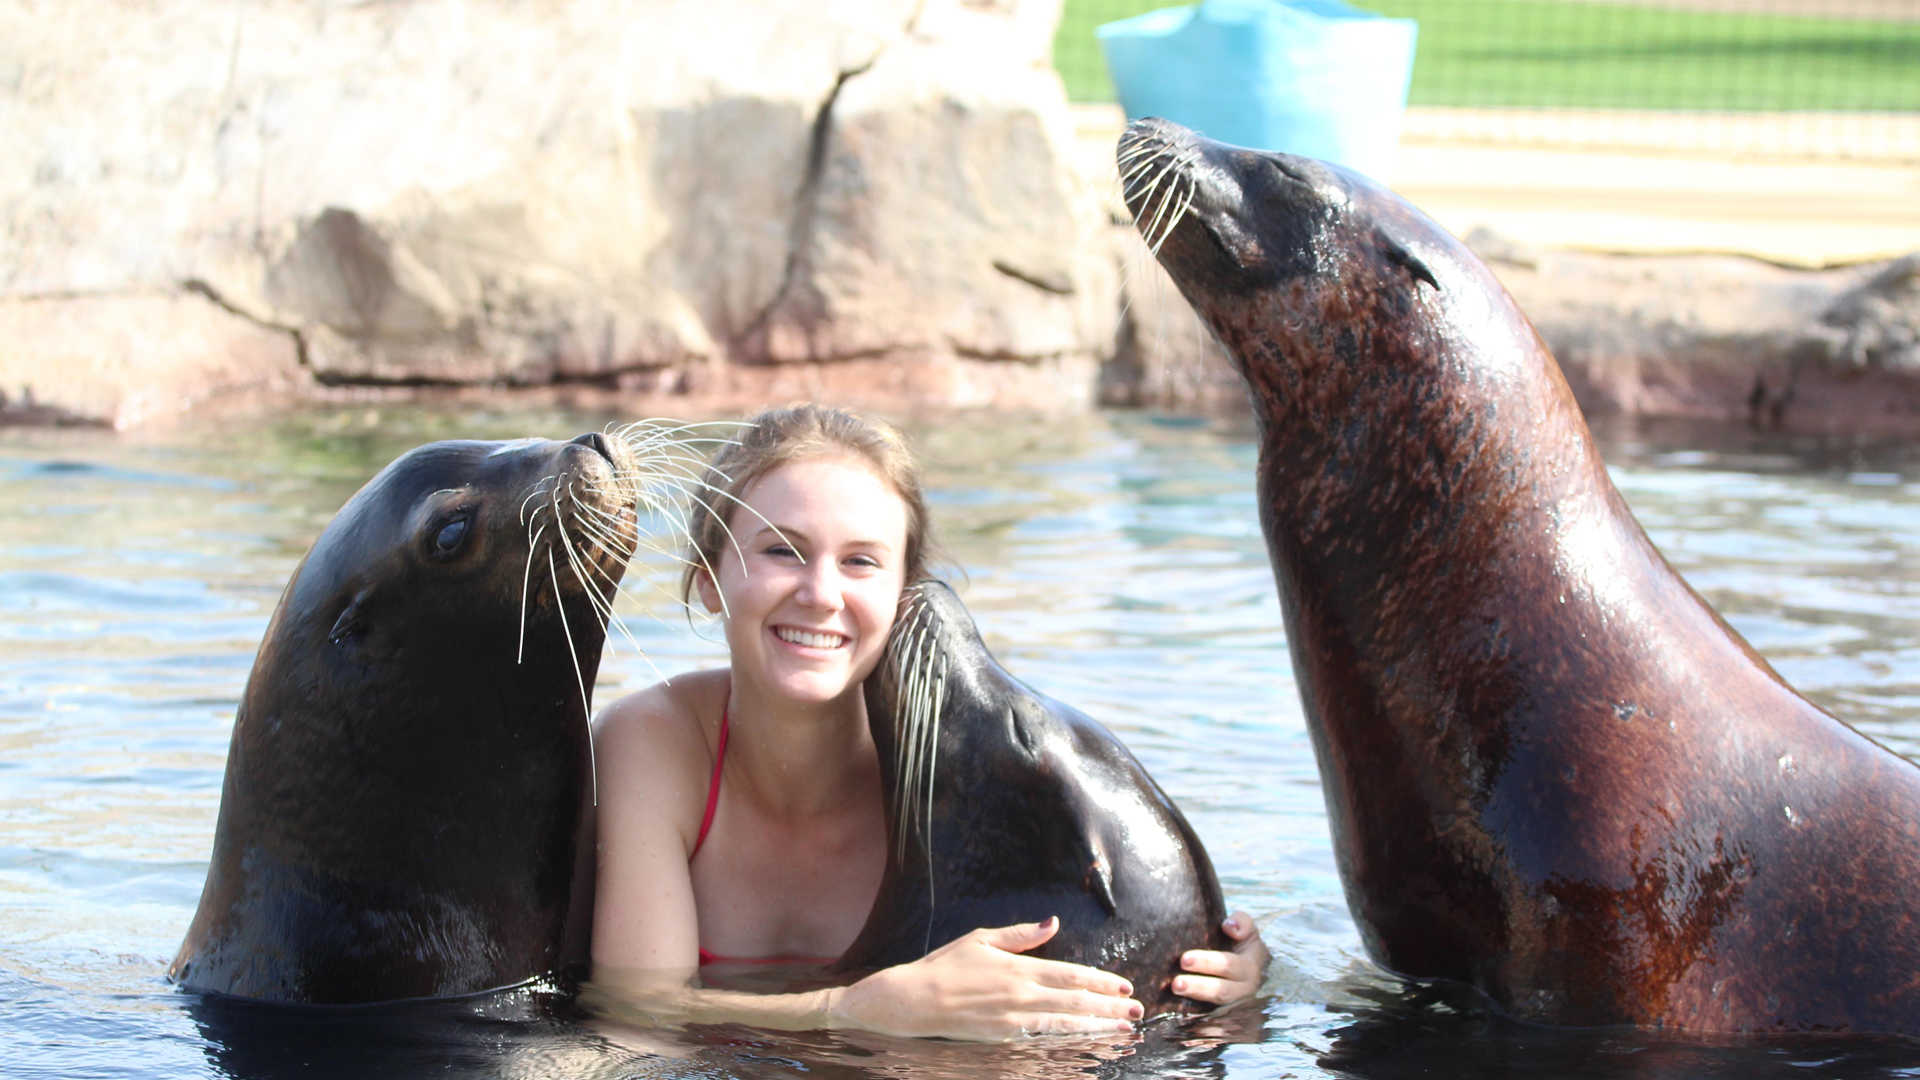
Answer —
123 359
517 192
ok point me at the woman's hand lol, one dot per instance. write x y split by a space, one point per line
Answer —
1221 978
978 986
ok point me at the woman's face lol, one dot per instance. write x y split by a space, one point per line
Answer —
810 592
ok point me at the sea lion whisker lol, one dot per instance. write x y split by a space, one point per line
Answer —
918 739
1140 167
1154 207
914 645
667 514
668 430
1173 222
599 548
622 552
1152 226
611 620
566 631
526 584
682 454
652 445
1132 147
659 465
920 673
721 520
577 563
900 656
1148 192
1176 165
919 728
904 745
1177 168
603 543
603 604
1135 160
599 513
926 813
1130 156
1181 188
533 493
614 534
1148 189
584 568
643 434
742 504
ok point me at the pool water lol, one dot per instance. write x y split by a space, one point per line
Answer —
1113 561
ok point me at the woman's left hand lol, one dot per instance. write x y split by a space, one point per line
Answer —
1221 978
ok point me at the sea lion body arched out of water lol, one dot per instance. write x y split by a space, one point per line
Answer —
408 803
1007 806
1551 770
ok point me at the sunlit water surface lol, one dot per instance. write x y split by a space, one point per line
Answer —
1114 562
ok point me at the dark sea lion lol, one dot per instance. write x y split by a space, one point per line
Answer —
408 804
1551 769
1007 806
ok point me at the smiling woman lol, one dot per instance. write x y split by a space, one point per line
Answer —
741 816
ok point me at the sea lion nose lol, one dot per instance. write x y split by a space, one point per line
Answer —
596 442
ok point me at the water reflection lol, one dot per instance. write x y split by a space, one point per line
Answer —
1112 561
1409 1032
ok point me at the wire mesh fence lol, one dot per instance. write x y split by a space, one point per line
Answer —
1791 77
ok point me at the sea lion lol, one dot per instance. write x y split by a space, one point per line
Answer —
1007 806
1551 769
408 803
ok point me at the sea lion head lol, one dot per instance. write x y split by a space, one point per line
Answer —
939 696
470 541
1326 287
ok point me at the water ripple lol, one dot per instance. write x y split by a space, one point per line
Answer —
1114 563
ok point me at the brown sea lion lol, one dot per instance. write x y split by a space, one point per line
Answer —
1008 806
408 803
1551 770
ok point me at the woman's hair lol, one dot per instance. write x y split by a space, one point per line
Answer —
779 437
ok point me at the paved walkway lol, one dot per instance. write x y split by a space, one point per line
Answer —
1798 190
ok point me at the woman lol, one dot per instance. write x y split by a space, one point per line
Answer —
741 808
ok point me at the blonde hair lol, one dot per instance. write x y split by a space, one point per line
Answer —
781 436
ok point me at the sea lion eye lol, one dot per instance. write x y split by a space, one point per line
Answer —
451 535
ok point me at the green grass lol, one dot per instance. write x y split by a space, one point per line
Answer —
1550 53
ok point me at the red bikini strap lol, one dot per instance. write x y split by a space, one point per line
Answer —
713 786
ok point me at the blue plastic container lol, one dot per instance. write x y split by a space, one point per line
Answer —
1313 77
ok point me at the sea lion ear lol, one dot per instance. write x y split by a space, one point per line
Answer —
1398 255
1021 727
352 621
1099 878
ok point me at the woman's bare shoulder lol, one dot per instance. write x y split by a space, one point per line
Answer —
661 733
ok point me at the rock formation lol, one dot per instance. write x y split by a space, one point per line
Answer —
207 198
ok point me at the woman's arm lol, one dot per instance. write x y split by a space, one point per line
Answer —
650 764
977 986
